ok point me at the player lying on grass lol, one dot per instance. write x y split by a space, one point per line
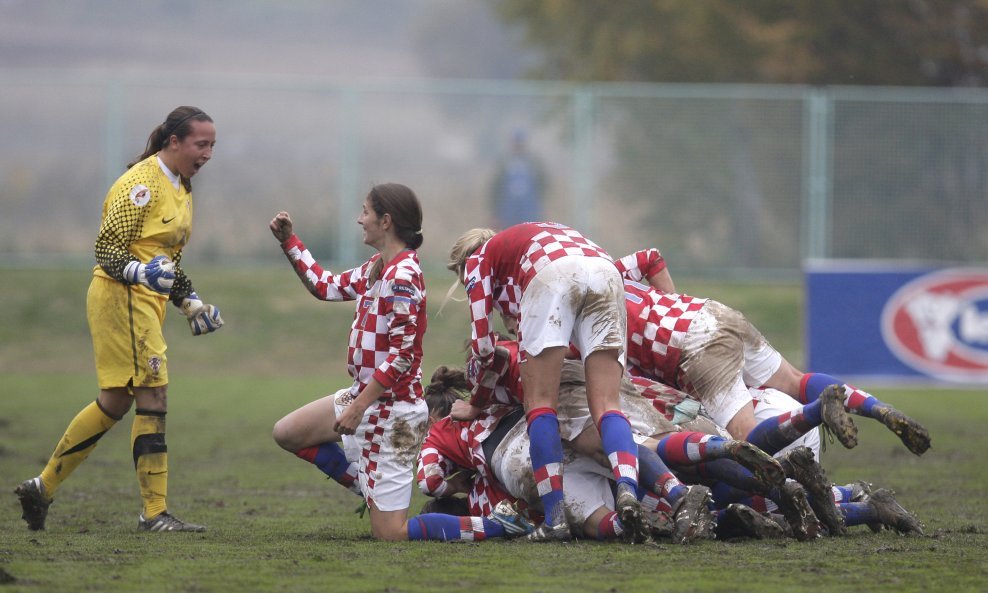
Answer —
710 454
712 352
500 382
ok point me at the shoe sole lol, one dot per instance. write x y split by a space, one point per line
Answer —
754 524
913 435
836 418
689 522
798 513
632 520
809 473
32 505
765 468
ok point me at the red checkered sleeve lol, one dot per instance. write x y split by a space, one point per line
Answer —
403 304
322 283
480 297
484 381
443 453
641 265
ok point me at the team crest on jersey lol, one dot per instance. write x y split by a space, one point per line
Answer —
154 363
938 325
140 195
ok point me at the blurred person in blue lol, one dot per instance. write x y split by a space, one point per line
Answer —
518 189
147 221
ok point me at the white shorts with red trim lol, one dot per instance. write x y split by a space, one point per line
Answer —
385 447
770 403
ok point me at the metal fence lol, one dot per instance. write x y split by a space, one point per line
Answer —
738 180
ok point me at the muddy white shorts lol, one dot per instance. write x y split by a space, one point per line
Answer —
586 483
722 355
385 447
578 300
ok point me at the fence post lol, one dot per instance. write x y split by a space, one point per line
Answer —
817 173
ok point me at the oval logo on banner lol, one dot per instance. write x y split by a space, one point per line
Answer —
938 325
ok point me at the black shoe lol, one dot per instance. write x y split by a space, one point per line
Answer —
34 503
692 519
891 513
797 511
913 435
808 472
739 520
836 418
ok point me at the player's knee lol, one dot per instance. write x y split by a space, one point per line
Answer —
284 436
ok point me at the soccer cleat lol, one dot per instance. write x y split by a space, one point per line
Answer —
807 471
891 513
765 468
34 503
165 521
660 524
691 516
860 491
630 514
740 520
913 435
836 418
514 523
550 533
797 511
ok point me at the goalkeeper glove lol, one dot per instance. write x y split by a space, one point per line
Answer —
203 319
158 274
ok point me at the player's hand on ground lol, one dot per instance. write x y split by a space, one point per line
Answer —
281 226
462 410
203 318
158 274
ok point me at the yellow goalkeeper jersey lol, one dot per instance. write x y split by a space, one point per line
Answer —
144 216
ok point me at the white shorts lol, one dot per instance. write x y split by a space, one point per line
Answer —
722 355
586 484
578 300
385 447
770 403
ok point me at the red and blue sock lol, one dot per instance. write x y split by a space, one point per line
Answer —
654 473
546 451
330 458
688 447
774 434
855 400
439 527
620 447
609 527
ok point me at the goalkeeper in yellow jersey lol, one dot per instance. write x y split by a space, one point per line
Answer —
147 220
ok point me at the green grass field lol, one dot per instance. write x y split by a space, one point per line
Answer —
277 524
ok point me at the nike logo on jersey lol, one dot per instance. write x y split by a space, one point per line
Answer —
167 220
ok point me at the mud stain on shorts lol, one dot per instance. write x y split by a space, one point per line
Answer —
406 440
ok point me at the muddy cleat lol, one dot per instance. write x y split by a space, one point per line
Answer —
691 516
797 511
660 524
629 512
913 435
860 491
765 468
836 418
550 533
514 523
804 469
739 520
167 522
34 503
891 513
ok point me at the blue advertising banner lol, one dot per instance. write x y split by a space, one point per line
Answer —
882 320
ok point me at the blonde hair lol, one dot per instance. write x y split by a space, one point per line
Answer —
464 247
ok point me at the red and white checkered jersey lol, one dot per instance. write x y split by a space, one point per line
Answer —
499 383
497 274
389 323
641 265
452 445
657 324
663 397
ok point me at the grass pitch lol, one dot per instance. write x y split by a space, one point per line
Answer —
276 524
